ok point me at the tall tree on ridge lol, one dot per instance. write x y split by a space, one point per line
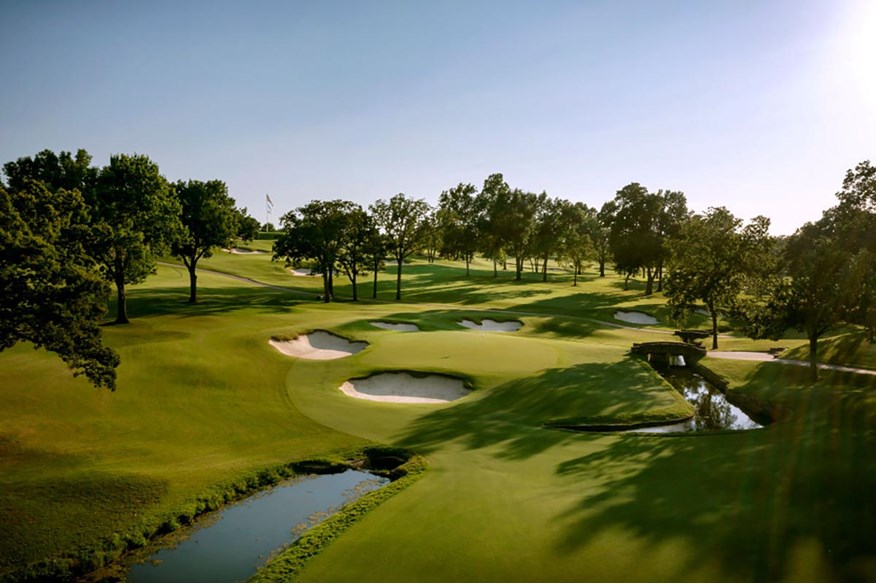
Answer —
401 219
140 218
209 220
461 220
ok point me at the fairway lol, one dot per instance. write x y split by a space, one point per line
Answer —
205 404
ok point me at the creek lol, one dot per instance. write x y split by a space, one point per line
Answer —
240 537
712 409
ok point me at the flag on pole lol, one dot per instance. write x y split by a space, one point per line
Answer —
269 202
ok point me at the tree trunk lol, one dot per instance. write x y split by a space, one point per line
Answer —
122 308
575 279
627 282
601 268
376 267
544 270
467 260
649 282
355 290
326 286
398 280
714 327
495 269
813 358
122 305
660 278
518 268
193 282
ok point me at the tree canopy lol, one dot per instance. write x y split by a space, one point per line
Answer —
52 292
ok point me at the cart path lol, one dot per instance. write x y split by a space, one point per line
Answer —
766 357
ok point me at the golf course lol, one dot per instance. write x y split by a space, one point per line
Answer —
208 409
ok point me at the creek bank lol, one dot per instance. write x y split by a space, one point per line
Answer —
111 558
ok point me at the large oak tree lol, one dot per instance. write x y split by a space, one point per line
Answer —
51 291
140 216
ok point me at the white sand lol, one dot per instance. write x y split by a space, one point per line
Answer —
318 346
302 272
492 325
405 388
244 251
395 326
635 317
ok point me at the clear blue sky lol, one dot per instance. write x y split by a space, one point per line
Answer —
757 106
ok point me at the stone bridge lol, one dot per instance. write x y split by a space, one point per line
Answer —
660 353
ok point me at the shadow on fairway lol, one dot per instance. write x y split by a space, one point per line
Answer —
793 501
161 301
511 415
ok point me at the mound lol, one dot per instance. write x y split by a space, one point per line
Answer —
406 388
319 346
492 325
635 317
395 326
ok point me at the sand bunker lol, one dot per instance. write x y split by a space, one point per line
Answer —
302 272
395 326
244 251
319 346
635 317
406 388
492 325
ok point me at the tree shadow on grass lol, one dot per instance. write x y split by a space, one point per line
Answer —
512 415
792 501
162 301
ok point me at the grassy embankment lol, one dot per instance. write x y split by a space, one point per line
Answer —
204 402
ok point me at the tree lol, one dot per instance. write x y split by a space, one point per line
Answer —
431 236
711 257
811 297
600 235
549 229
209 220
315 231
673 214
55 171
491 201
634 238
247 226
401 219
141 217
376 247
514 225
461 219
577 245
854 218
353 255
641 224
52 292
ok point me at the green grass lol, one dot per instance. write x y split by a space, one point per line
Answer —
205 406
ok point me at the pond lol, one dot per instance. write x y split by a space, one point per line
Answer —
240 538
712 409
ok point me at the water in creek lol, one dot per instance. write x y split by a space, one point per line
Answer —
232 547
712 410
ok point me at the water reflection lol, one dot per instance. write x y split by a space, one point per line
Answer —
232 548
712 410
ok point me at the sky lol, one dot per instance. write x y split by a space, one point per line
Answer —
758 106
